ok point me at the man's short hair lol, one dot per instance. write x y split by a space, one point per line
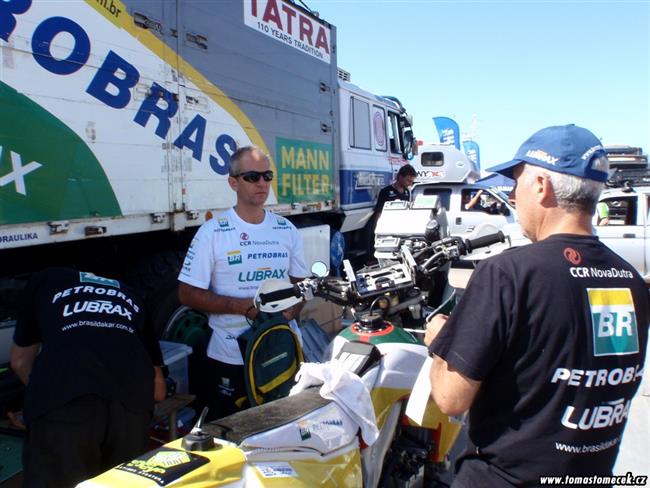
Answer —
573 193
406 170
234 167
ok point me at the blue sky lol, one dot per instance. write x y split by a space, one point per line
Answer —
503 69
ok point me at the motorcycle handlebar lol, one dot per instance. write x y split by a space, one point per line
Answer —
484 241
277 295
337 290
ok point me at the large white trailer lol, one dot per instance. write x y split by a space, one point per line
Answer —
119 118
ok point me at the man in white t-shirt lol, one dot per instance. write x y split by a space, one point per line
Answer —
228 259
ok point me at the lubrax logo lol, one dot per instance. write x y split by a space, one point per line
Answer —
261 274
613 321
596 417
96 306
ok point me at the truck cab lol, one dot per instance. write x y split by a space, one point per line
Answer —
445 190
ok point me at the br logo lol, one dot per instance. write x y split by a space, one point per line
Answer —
234 257
613 321
85 277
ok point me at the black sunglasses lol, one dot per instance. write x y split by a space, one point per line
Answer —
254 176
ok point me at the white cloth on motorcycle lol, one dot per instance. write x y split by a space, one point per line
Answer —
241 425
350 392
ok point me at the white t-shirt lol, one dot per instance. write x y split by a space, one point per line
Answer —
232 258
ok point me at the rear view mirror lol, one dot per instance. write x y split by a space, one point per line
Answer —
319 269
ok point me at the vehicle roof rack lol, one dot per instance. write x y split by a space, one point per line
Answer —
629 178
626 157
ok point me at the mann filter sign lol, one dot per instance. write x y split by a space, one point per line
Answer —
287 24
305 171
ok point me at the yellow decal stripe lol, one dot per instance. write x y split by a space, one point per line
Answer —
609 296
281 378
125 21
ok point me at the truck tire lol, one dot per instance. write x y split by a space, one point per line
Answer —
156 279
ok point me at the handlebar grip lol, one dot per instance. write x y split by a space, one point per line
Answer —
484 241
280 295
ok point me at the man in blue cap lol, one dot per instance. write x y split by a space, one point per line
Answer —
546 347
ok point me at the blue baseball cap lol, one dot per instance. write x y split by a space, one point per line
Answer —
565 149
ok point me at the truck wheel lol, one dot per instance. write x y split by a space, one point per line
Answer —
187 326
156 279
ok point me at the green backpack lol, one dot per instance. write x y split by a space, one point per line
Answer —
272 356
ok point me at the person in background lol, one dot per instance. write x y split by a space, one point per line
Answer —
470 200
602 214
398 190
85 348
547 345
226 262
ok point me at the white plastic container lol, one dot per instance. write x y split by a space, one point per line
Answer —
175 358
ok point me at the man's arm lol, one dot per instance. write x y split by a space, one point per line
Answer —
209 302
452 391
159 385
382 198
470 205
22 360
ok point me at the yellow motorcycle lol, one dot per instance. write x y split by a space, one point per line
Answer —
346 427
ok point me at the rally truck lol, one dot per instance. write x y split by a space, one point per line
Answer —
119 118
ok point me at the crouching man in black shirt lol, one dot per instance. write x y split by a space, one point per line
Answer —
92 365
547 346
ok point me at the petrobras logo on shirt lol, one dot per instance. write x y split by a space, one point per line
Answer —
614 321
223 225
98 280
594 378
261 274
281 224
234 257
267 255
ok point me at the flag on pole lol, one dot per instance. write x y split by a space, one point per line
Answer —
471 149
448 131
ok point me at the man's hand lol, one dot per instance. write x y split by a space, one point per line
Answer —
434 326
293 312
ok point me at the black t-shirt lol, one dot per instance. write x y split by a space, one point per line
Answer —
388 194
556 332
95 339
